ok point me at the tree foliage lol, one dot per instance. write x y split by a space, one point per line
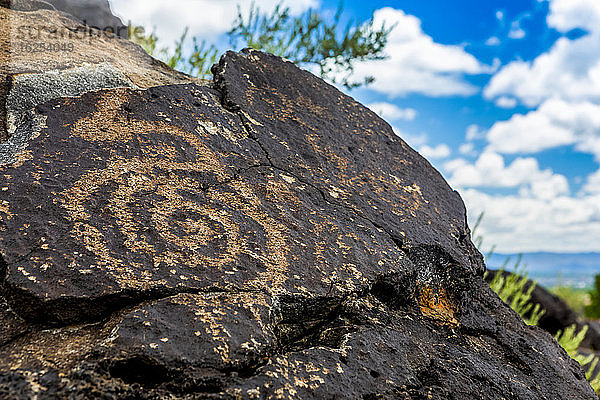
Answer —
197 63
310 40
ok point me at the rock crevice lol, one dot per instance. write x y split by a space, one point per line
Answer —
263 236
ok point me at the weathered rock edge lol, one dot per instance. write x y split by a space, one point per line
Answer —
334 261
111 61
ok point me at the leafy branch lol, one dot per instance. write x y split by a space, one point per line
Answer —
311 39
197 63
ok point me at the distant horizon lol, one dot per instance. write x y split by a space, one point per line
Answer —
552 269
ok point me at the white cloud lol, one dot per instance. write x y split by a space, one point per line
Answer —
474 133
541 216
506 102
546 186
417 64
437 152
490 171
529 133
563 85
570 69
569 14
555 123
519 224
590 145
499 15
492 41
206 19
592 184
467 149
516 32
392 112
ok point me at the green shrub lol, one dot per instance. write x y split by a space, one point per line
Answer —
593 309
511 288
309 40
570 340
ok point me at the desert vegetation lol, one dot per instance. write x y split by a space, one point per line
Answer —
326 47
514 290
331 51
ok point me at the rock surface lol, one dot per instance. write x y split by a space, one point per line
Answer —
26 5
73 59
95 13
262 236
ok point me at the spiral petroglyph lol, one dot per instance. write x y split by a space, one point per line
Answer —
261 236
145 205
163 203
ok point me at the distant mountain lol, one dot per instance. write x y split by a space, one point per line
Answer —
549 269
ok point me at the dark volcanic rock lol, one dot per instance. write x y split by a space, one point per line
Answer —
95 13
262 237
337 146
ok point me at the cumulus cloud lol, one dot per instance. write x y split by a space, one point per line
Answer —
570 69
490 171
592 184
467 149
492 41
569 14
391 112
417 64
437 152
562 85
516 32
207 19
519 224
555 123
474 133
506 102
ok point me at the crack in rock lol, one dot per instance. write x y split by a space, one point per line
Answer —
267 237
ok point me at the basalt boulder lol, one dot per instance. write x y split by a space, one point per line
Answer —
95 13
259 236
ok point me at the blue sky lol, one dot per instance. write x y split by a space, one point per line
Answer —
502 97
